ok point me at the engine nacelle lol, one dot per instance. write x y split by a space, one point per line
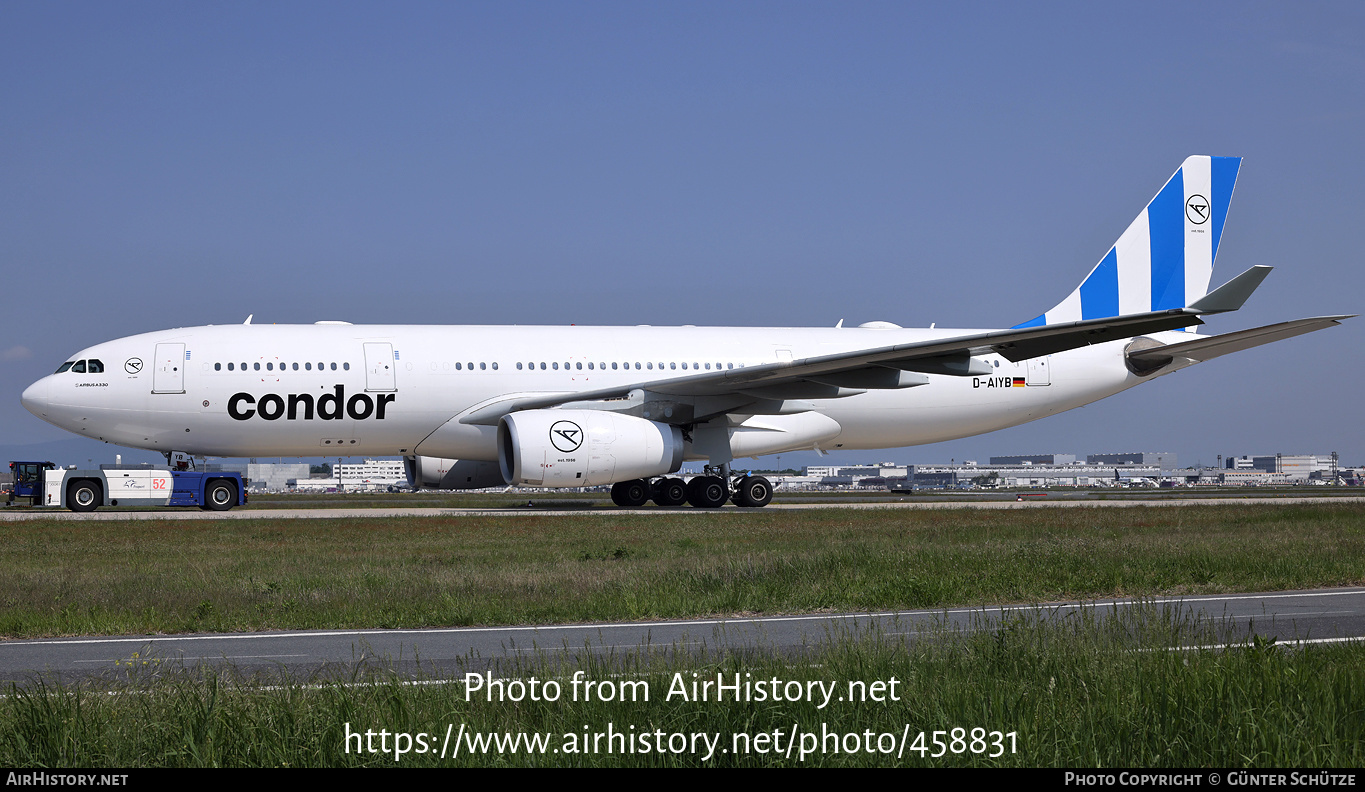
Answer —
584 448
454 474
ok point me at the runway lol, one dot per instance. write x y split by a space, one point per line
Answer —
1331 615
24 513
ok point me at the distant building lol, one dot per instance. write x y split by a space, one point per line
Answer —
371 474
1164 459
1035 459
1298 466
278 477
830 475
265 475
1031 475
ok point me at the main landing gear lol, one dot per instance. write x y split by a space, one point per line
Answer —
709 491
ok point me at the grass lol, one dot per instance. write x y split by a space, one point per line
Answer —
1085 692
133 577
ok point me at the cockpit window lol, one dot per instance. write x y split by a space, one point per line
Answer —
95 366
79 368
66 366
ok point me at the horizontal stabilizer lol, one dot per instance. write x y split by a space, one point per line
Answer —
1202 349
1232 295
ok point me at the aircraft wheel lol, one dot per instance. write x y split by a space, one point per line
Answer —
753 492
630 494
670 492
707 492
221 495
84 496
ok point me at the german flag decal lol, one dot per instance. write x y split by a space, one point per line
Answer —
1018 382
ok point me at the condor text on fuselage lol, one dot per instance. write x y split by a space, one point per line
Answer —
299 406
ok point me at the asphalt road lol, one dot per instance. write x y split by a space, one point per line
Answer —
1330 615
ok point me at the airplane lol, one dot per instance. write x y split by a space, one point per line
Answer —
470 407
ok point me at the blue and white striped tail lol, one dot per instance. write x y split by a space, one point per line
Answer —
1165 258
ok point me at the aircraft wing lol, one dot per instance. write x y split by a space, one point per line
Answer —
849 373
782 386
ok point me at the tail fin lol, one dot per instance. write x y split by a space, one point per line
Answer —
1165 258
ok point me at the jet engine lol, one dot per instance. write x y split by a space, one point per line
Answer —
455 474
584 448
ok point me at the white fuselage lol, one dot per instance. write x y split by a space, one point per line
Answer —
330 389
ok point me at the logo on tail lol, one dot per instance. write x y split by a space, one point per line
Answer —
1197 209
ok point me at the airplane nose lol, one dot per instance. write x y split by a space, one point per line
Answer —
35 396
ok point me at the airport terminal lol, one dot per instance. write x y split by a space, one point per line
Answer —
1121 470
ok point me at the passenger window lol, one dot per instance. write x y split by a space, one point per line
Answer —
65 367
270 367
346 366
459 367
334 367
308 366
483 367
590 367
296 367
578 366
219 366
613 366
495 366
637 365
555 366
79 368
518 367
672 366
542 365
256 366
230 367
95 367
649 366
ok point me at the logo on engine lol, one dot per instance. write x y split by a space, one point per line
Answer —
566 436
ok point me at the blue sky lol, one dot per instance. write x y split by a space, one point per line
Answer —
171 164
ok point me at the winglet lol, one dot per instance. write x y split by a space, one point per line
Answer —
1233 294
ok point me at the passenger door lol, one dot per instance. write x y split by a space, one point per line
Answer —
379 374
168 373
